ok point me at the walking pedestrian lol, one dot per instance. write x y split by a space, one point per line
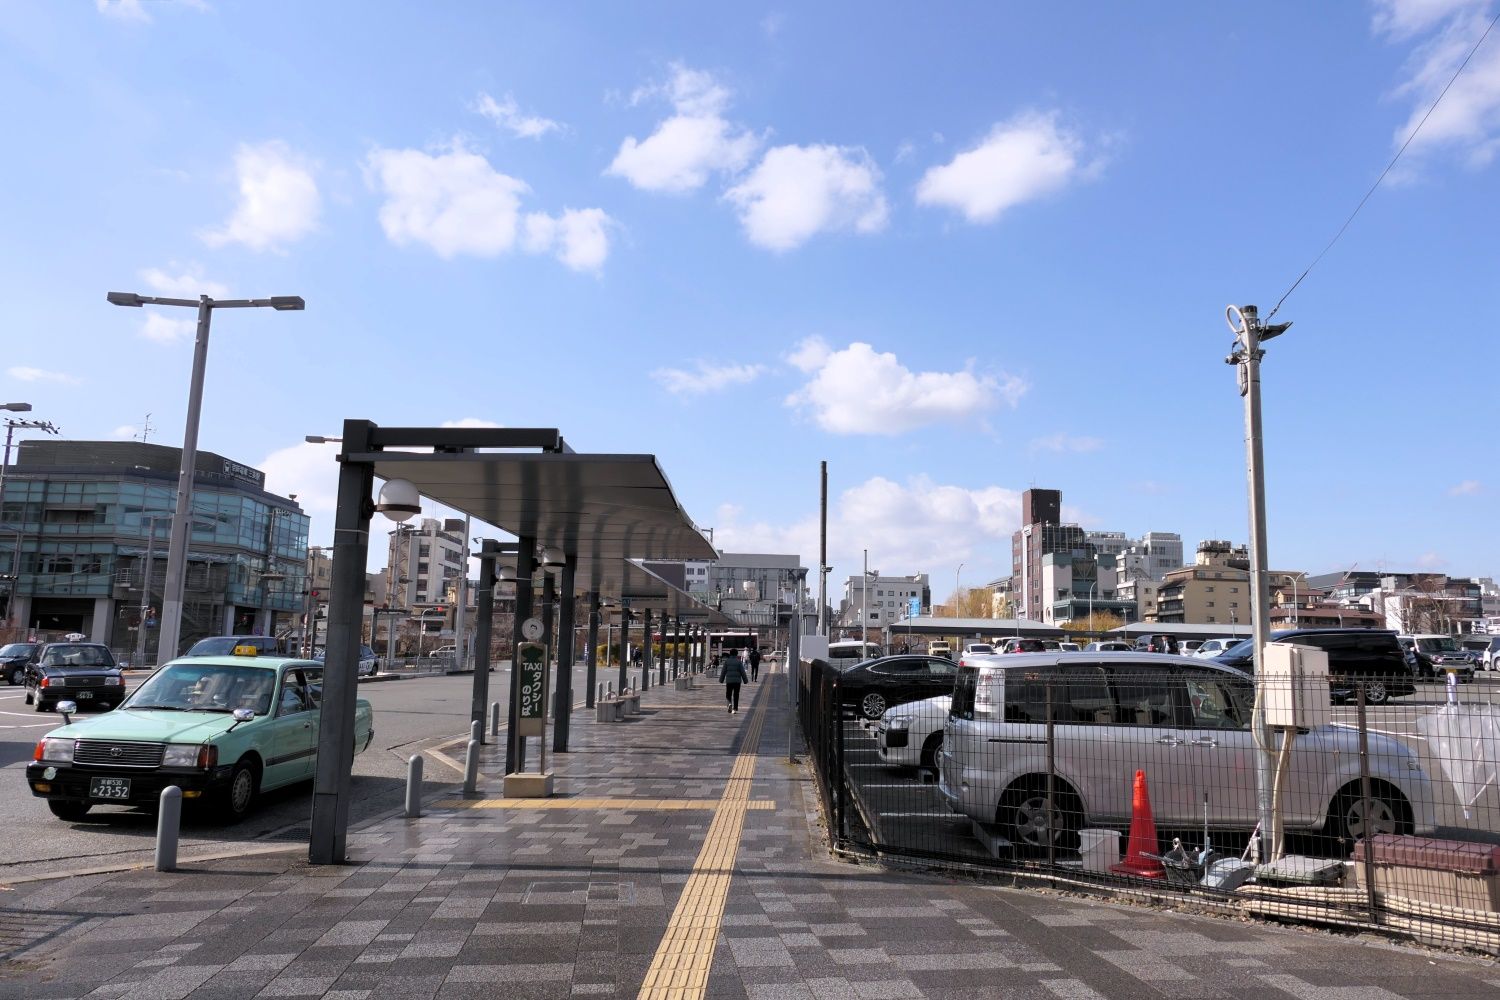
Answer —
732 675
754 663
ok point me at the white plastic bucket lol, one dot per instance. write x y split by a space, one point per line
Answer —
1099 849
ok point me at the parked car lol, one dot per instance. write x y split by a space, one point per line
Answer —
81 672
1189 646
13 659
369 663
940 647
1476 644
875 685
221 728
1016 645
1356 656
1213 647
851 651
1185 722
1159 643
1438 654
1069 647
1492 653
225 645
1108 646
978 648
911 735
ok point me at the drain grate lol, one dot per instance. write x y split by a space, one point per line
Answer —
579 892
23 929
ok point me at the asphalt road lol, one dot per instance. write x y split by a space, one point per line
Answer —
428 714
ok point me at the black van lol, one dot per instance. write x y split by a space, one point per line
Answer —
1356 656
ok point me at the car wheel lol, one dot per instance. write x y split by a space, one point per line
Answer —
236 800
1353 817
930 751
28 696
1376 693
16 676
1029 824
70 811
873 705
42 706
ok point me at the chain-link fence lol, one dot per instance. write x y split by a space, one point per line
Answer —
1377 796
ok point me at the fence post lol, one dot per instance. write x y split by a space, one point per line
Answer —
1051 781
834 708
1364 792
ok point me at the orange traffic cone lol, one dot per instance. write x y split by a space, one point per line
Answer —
1143 844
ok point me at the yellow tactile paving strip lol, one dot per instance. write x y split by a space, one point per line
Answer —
680 969
597 803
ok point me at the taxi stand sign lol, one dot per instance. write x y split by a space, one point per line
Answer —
531 719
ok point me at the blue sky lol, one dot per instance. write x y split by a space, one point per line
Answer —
956 251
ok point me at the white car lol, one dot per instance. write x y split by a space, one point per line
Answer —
910 735
1213 647
1184 722
369 663
977 647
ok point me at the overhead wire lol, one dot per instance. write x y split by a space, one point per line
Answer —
1388 167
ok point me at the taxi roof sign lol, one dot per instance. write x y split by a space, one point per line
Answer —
247 650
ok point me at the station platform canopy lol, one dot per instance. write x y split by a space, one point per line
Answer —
1180 630
602 510
970 628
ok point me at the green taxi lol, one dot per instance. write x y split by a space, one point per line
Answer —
221 728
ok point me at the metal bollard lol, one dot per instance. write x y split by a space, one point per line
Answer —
168 819
611 688
601 693
495 721
413 786
476 731
471 768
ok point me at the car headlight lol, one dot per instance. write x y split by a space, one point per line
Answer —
190 755
55 751
114 682
899 722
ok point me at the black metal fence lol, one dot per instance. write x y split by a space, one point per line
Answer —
1380 808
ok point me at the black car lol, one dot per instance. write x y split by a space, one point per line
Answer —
81 672
1157 644
13 659
1357 657
875 685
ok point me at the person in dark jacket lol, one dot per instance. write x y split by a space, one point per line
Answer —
755 663
732 674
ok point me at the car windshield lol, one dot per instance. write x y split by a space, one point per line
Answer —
61 655
1444 644
190 687
981 647
17 649
1241 648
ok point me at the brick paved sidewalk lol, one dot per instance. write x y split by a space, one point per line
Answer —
681 849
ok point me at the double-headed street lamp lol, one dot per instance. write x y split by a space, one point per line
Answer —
171 607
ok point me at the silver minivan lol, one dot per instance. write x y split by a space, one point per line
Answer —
1184 722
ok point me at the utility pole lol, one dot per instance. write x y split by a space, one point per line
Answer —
864 607
823 550
1249 334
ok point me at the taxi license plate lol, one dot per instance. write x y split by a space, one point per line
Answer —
80 695
109 788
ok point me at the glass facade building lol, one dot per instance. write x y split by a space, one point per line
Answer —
79 519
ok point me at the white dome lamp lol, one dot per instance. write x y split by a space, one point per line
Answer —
503 574
553 557
399 500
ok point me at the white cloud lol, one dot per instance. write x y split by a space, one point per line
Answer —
859 391
772 24
1021 160
186 284
1467 488
706 377
796 192
1431 560
1066 442
579 237
123 10
1467 120
454 202
165 329
279 201
470 422
21 373
309 470
915 526
125 431
506 114
693 143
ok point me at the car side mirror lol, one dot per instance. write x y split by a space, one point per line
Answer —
241 715
67 709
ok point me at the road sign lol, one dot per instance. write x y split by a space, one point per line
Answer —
531 716
914 608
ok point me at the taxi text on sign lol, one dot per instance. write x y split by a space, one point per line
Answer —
532 716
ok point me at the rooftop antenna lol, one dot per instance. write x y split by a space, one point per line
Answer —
146 429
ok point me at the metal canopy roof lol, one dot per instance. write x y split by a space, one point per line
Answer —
600 509
644 589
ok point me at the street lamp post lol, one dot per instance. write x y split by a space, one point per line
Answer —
1091 608
177 544
956 575
140 638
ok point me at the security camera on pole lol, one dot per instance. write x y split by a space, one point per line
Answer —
1249 334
